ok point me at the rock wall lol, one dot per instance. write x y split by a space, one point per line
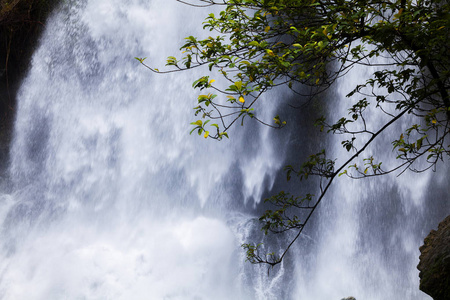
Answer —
21 24
434 265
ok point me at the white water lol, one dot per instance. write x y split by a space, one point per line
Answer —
111 198
371 229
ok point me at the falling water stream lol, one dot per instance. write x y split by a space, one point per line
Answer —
109 197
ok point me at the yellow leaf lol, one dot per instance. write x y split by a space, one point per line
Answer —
317 81
211 81
270 52
238 84
231 97
206 134
434 121
277 120
241 99
267 29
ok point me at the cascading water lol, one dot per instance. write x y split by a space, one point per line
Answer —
370 230
111 198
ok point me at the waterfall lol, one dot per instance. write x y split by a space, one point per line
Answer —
368 233
109 197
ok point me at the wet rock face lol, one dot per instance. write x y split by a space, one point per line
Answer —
21 24
434 265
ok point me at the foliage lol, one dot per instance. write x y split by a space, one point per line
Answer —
307 45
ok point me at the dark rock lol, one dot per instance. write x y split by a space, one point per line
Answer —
21 24
434 265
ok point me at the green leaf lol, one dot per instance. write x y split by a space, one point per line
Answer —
198 122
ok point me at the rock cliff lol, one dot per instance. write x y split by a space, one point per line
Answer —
434 263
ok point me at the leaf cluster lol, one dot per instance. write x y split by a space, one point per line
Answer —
306 45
